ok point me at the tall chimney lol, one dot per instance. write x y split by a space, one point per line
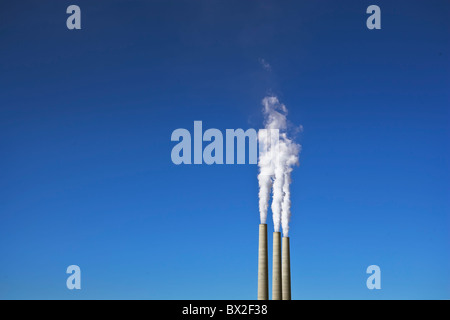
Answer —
263 268
286 272
276 267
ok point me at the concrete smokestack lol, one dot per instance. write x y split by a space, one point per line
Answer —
286 270
263 267
276 267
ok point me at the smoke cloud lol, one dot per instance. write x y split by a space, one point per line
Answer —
278 155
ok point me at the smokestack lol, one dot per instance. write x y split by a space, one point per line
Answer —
276 267
263 268
286 272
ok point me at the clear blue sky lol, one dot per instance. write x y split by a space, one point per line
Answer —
85 123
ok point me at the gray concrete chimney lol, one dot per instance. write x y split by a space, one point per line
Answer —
263 268
276 267
286 270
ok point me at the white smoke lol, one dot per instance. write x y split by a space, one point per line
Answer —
265 174
276 162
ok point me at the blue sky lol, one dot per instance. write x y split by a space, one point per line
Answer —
86 118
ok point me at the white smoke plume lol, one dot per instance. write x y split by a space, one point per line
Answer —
276 162
265 173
